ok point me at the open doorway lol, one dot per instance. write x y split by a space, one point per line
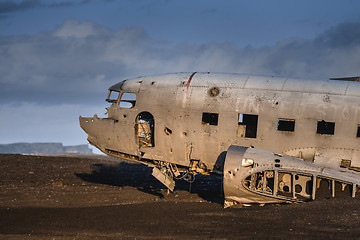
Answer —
144 130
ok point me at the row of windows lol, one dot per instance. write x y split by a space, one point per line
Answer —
247 125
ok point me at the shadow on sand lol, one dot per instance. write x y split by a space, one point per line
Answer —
140 176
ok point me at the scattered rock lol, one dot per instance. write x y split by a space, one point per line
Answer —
57 184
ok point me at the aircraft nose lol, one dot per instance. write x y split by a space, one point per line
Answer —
84 123
88 124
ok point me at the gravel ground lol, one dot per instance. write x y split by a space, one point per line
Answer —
95 197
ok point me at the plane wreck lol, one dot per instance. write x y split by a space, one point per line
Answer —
272 139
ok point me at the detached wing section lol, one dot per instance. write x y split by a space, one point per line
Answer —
256 176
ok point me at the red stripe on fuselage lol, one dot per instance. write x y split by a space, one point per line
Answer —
189 81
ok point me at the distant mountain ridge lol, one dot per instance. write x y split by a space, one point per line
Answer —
43 148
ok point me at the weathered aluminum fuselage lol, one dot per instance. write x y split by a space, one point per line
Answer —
195 117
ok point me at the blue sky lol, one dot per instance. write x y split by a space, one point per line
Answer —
57 58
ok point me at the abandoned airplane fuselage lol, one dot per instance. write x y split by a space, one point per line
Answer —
273 139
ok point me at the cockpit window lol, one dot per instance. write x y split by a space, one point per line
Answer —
127 100
112 97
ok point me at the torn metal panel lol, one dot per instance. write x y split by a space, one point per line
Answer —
164 178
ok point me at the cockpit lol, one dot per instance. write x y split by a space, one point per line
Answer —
123 99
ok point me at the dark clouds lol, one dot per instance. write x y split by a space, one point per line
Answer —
78 61
9 6
345 35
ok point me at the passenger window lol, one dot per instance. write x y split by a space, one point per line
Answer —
325 127
127 100
247 125
286 125
210 118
